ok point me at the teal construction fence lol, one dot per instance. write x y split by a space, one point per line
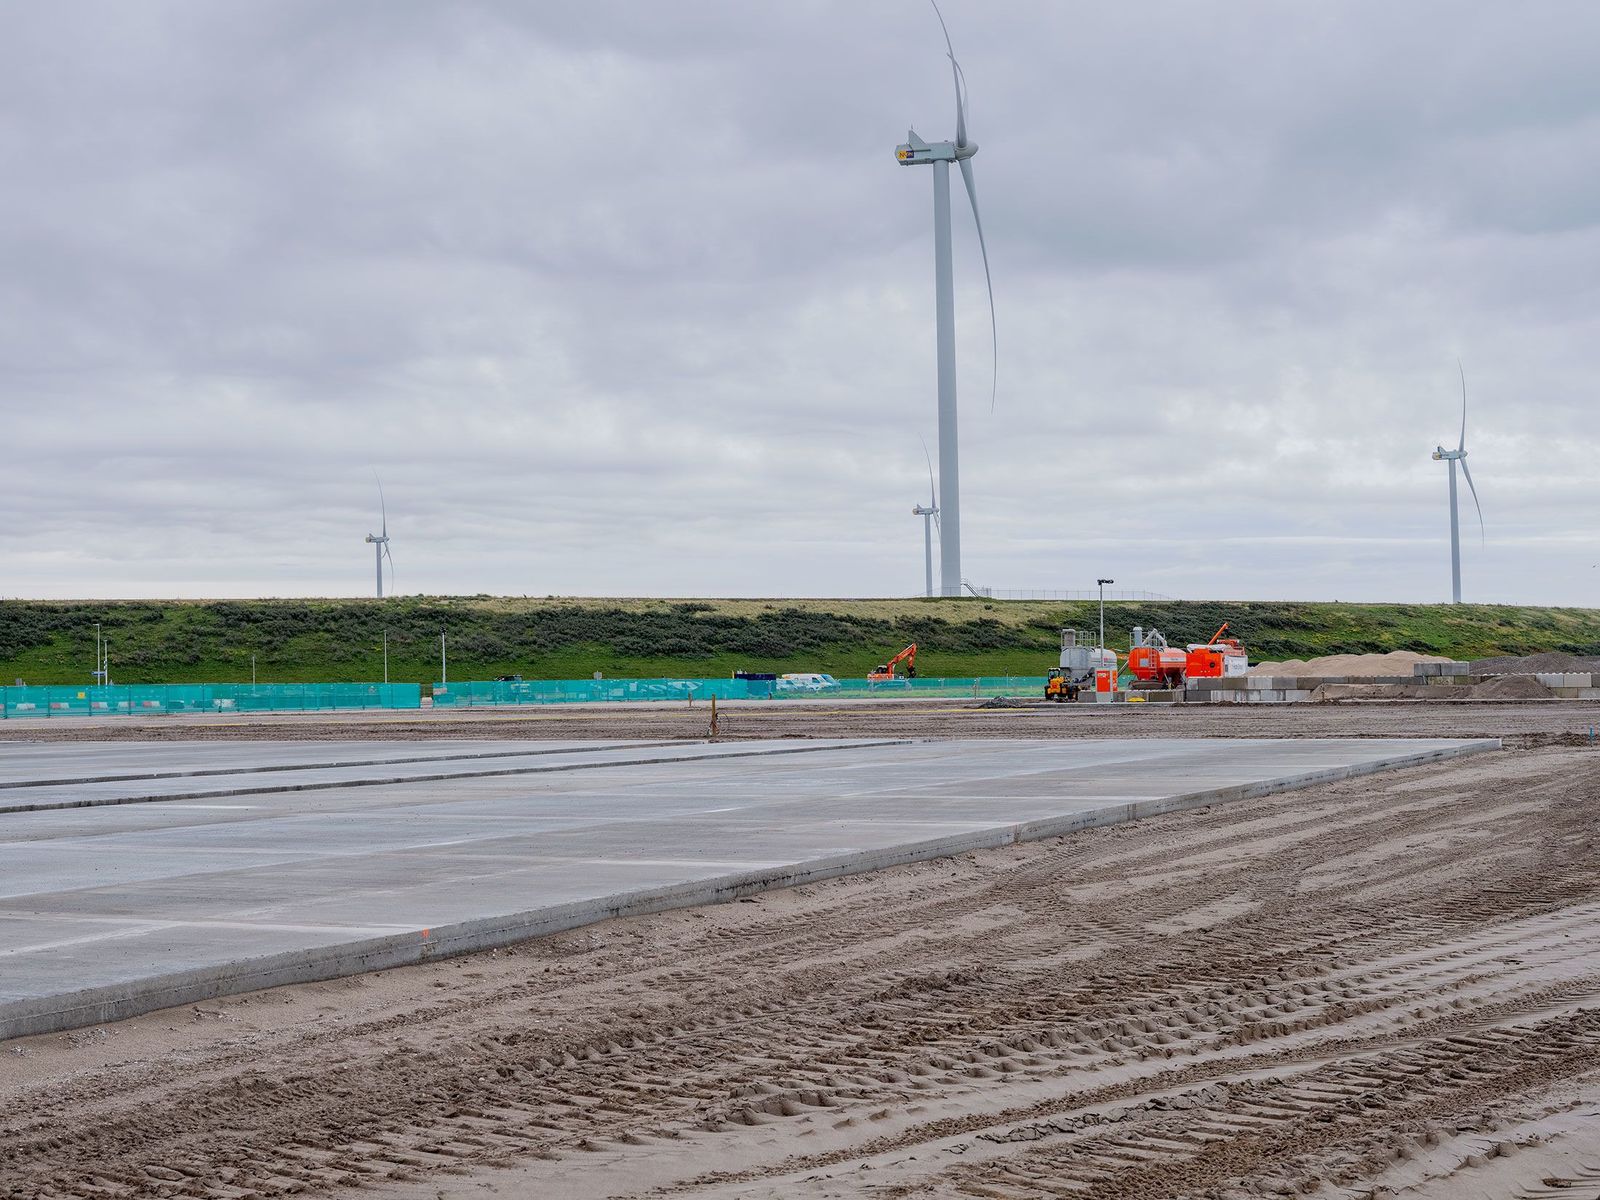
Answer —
601 691
148 698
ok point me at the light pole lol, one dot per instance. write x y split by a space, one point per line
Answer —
105 662
252 670
444 668
99 656
386 656
1102 583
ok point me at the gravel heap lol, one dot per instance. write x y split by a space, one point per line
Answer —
1531 664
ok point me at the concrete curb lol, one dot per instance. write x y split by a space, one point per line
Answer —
93 1006
533 769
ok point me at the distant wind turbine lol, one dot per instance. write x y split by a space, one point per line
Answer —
1458 455
380 542
930 518
916 152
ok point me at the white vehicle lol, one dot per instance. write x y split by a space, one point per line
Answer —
805 682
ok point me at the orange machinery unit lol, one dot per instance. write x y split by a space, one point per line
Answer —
1153 663
1218 658
885 672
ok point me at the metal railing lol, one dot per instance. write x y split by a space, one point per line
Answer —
1086 594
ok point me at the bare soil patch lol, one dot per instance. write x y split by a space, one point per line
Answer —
1385 983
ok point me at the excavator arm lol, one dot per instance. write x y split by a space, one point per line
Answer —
907 656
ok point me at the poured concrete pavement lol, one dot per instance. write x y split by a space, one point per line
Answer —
110 911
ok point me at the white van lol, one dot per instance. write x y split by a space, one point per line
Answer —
806 682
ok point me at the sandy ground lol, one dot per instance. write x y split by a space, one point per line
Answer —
1521 722
1381 987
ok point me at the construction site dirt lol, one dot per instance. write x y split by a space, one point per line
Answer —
1383 986
1519 722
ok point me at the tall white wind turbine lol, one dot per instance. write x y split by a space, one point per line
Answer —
930 518
1458 455
380 542
916 152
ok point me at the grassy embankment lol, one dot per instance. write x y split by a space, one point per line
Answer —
332 640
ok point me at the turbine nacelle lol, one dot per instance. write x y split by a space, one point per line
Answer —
915 151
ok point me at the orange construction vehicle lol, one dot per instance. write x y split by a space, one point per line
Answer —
1216 659
885 672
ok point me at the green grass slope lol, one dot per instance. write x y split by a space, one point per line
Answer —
182 641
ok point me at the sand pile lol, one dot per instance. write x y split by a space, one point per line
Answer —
1351 666
1512 687
1528 664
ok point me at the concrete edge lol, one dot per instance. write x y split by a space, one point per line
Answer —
531 769
96 1006
139 776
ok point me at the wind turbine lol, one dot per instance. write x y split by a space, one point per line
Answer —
916 152
380 543
930 518
1458 455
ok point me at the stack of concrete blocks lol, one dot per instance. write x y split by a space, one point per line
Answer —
1571 685
1252 689
1567 685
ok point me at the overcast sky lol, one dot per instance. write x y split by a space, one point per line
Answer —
631 298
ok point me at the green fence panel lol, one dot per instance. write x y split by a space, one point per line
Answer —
599 691
156 698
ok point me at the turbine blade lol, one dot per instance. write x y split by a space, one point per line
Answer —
994 332
933 500
1481 535
382 504
1462 444
955 75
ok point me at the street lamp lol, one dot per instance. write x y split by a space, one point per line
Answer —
1102 583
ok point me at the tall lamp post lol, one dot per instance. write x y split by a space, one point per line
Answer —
1102 583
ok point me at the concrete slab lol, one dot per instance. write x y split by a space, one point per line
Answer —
110 911
24 764
250 775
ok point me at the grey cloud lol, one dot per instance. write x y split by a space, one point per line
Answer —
632 297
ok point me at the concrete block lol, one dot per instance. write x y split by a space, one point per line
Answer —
1565 679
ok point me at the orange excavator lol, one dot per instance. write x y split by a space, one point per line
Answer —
885 672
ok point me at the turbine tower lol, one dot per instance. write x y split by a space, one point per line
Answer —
1458 455
380 542
930 518
916 152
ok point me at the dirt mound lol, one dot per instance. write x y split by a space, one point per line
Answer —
1353 666
1528 664
1512 687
